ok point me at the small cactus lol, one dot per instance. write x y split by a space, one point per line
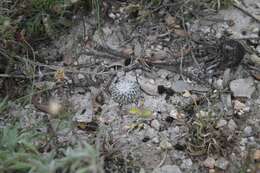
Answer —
125 91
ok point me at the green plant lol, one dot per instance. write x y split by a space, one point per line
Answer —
45 17
46 5
6 28
19 153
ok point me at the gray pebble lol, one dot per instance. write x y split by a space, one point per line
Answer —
248 131
222 163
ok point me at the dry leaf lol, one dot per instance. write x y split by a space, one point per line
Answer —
127 51
67 60
257 155
59 74
256 75
44 85
186 94
88 126
144 113
181 32
134 126
170 21
138 49
135 110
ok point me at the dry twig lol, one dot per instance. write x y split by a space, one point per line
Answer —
247 13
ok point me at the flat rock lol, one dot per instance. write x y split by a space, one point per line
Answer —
83 105
221 123
150 132
181 86
242 87
148 85
168 169
232 125
157 103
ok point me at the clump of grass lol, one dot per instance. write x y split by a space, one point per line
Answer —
37 18
113 157
206 138
6 29
45 17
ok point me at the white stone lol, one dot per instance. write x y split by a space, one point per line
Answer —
112 15
221 123
81 76
248 131
155 124
219 84
209 162
156 140
242 87
165 145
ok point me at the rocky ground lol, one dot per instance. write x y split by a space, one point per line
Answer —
154 94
